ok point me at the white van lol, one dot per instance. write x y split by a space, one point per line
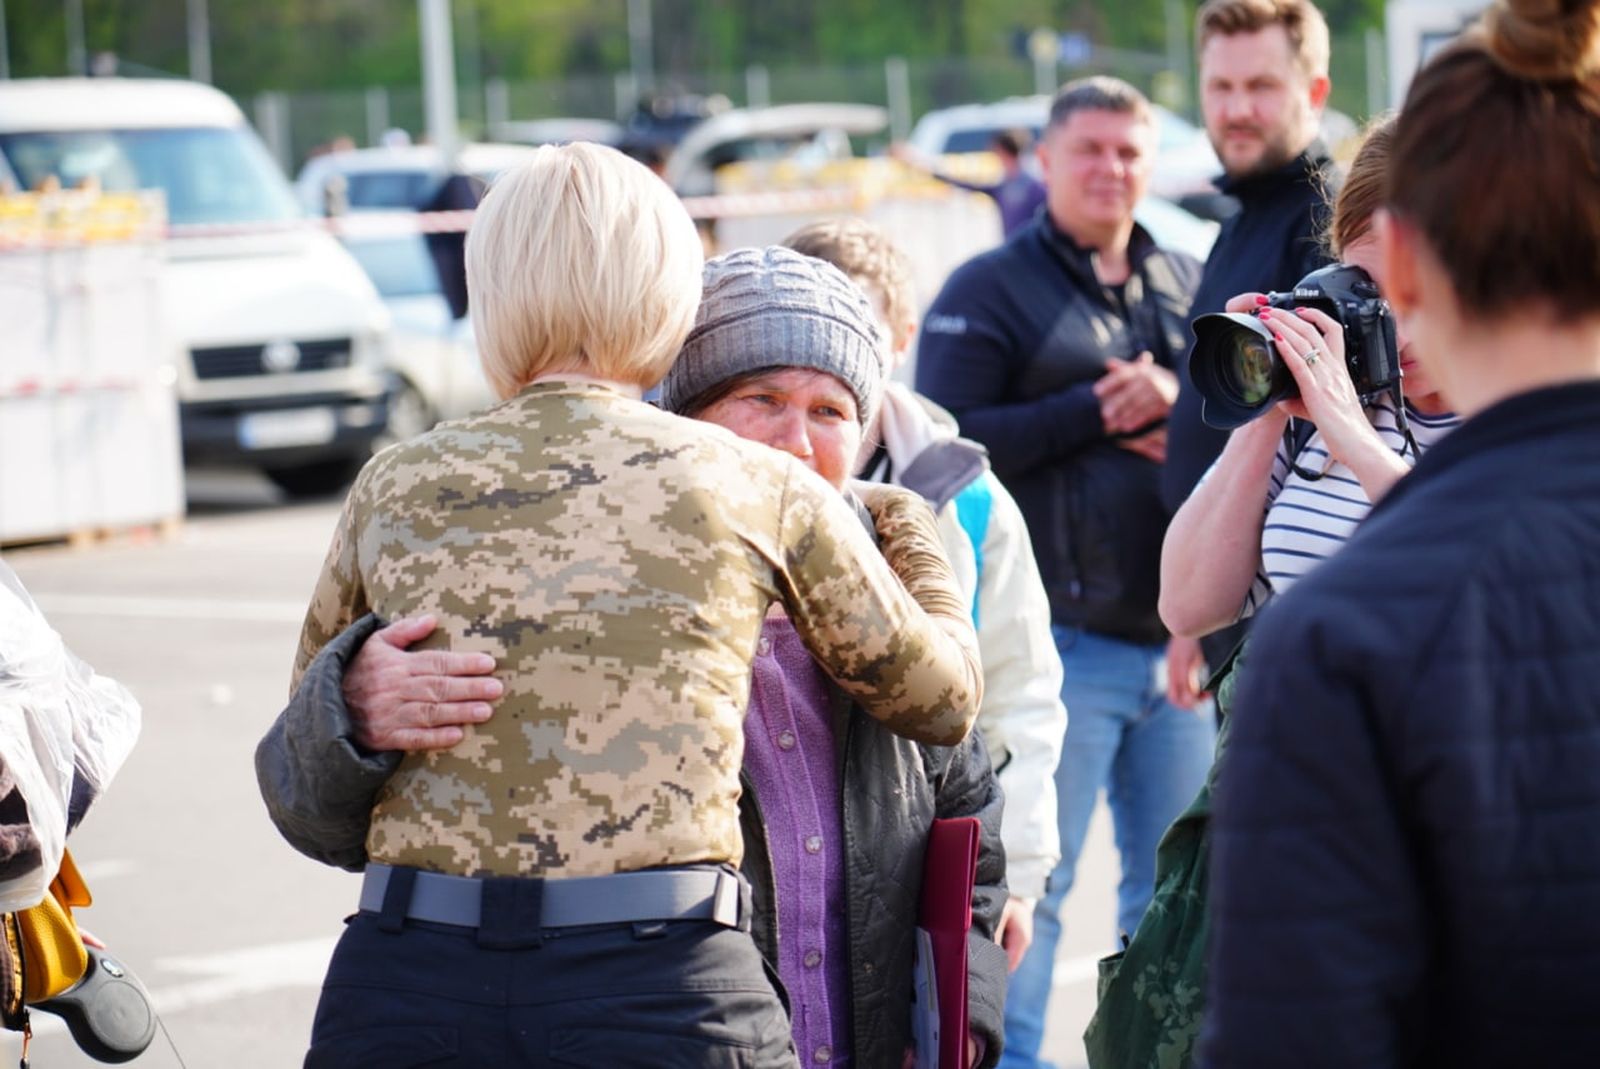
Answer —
283 362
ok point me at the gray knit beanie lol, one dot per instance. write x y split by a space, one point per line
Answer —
774 308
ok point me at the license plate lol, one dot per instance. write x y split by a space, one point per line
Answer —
277 430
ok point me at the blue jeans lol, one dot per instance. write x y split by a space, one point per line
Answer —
1150 756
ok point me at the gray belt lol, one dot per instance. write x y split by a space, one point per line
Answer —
664 895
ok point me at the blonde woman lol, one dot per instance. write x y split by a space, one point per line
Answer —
560 885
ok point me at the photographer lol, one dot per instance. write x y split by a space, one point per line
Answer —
1405 846
1271 508
1221 559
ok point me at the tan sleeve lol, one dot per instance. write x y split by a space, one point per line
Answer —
902 647
339 598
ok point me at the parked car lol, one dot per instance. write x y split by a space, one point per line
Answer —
558 131
1174 227
397 178
433 357
807 132
664 119
1185 162
281 336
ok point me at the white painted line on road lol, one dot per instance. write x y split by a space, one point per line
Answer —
276 964
95 871
253 970
250 971
1075 971
229 975
228 609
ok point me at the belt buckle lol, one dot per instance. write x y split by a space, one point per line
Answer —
725 899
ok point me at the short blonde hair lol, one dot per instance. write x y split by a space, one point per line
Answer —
873 262
1301 20
581 261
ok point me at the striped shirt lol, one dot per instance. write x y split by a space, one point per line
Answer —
1308 520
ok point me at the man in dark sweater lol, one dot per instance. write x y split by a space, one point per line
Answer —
1055 351
1263 82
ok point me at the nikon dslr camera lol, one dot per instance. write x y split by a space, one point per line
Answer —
1236 366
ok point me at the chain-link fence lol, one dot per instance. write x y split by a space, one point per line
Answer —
296 124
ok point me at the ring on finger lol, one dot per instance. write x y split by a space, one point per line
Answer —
1312 356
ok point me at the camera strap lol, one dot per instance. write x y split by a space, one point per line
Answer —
1298 432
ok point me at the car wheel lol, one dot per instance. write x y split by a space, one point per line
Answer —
316 479
409 415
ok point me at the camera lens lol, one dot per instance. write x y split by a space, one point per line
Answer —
1246 363
1235 369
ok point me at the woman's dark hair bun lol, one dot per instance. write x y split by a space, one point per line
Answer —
1545 40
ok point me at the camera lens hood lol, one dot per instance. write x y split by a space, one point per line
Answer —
1236 369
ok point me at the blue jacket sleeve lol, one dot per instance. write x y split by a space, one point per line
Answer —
1317 939
968 358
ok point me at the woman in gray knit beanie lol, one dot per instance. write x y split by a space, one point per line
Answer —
771 308
787 351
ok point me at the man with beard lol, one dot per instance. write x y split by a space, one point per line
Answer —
1055 351
1263 82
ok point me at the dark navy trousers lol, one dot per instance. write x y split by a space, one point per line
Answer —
689 993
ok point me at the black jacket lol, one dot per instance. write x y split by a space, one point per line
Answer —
892 790
1406 865
1272 242
319 788
1012 346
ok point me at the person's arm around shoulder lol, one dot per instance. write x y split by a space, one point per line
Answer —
318 784
1318 933
362 702
891 629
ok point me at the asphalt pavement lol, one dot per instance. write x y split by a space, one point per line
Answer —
227 926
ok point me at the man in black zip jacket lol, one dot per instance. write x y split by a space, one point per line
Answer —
1263 82
1055 351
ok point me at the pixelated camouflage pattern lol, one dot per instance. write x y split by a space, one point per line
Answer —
617 562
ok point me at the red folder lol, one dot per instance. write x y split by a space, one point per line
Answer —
949 871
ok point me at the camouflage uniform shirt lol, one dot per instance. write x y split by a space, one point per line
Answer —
617 561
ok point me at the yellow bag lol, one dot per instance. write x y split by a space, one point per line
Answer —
47 946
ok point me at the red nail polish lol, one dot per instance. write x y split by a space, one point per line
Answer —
1261 298
1277 337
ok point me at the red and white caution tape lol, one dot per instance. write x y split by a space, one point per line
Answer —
36 387
391 223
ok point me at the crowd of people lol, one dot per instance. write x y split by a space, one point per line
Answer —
636 714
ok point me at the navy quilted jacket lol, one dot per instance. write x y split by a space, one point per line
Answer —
1406 867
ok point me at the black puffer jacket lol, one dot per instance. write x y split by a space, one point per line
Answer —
1406 865
1013 346
892 790
319 788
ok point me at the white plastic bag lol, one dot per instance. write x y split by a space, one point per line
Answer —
55 714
